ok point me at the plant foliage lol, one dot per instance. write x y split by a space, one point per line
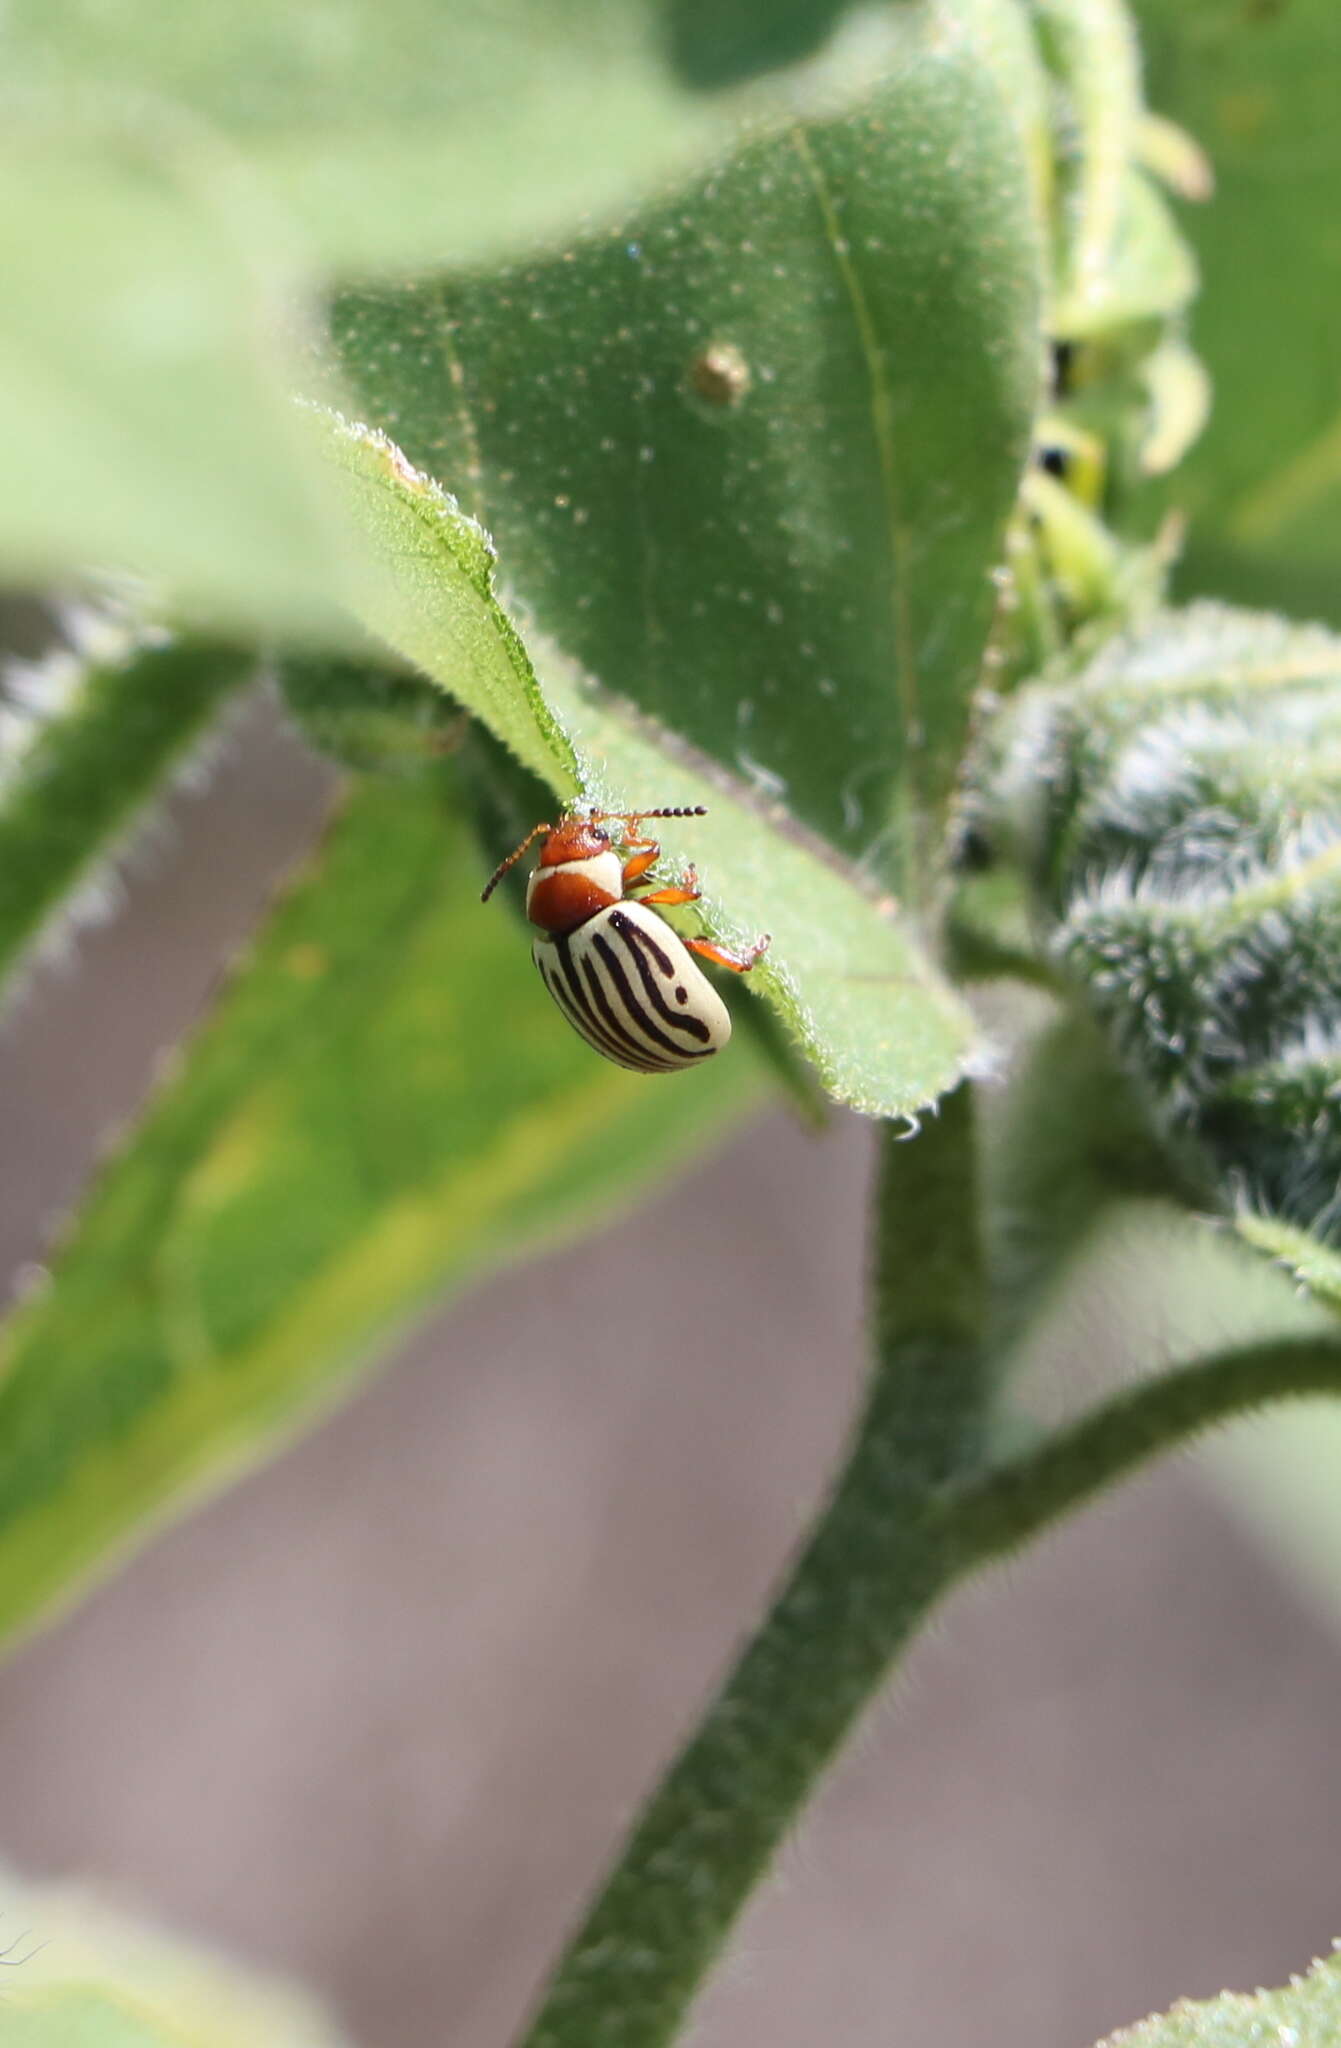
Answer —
782 411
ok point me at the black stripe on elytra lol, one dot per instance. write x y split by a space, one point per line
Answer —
601 999
585 1027
573 1000
621 981
579 1007
591 1012
575 1012
639 944
624 924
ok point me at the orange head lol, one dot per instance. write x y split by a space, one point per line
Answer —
578 836
574 838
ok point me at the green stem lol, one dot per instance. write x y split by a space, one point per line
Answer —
858 1590
998 1510
913 1510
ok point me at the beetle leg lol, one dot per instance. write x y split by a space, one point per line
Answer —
684 892
645 854
739 963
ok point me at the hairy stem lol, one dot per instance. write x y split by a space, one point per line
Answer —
998 1510
914 1509
857 1591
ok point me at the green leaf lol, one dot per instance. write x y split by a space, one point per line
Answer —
748 459
91 1975
1177 808
1150 274
1305 2013
1091 47
81 2018
411 131
145 422
1256 85
437 605
1069 1143
369 716
384 1103
1279 1479
1313 1264
173 193
868 1008
85 737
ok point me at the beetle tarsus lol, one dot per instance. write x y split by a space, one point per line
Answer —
739 963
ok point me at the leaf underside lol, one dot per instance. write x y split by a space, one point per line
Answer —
748 458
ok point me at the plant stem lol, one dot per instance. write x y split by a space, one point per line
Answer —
913 1510
859 1588
997 1510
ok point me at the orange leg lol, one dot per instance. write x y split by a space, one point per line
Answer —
646 853
684 892
739 963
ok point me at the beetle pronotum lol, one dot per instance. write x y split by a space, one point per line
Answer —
615 968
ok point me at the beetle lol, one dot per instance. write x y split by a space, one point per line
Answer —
621 976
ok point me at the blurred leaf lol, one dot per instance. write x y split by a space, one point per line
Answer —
1005 39
1150 273
416 131
1069 1144
1312 1264
853 988
172 184
90 1975
86 735
1257 86
1305 2013
384 1102
748 459
369 716
1091 47
81 2018
1280 1479
145 421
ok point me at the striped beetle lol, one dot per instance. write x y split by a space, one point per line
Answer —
615 968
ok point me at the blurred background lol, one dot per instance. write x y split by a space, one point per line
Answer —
378 1717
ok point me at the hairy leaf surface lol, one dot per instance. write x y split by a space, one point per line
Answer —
852 985
748 458
1305 2013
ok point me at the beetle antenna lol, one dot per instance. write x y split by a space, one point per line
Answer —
636 817
511 861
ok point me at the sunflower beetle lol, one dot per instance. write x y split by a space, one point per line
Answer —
621 976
